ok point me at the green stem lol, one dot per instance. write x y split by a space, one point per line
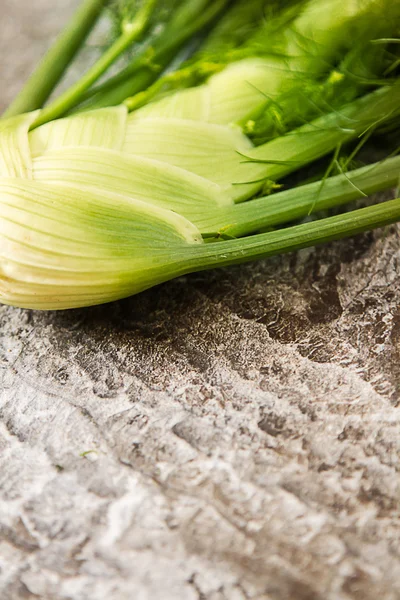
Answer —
222 254
73 95
113 96
297 203
139 74
54 64
184 76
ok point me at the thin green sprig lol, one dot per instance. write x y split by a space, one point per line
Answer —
54 64
319 137
131 32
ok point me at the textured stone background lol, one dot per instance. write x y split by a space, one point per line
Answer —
227 436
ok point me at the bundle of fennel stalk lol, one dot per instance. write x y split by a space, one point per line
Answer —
171 164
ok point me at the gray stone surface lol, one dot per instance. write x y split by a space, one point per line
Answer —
227 436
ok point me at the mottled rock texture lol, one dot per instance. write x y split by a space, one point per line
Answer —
228 436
